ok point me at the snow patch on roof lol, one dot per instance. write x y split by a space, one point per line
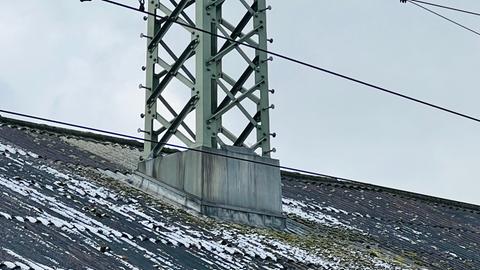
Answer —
6 148
25 263
307 211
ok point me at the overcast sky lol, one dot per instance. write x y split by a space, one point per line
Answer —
80 62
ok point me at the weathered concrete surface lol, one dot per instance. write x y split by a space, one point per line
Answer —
217 186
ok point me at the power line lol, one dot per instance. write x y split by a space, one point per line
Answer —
303 63
343 181
444 17
168 144
117 134
447 7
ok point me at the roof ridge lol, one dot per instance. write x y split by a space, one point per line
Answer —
71 132
329 180
362 185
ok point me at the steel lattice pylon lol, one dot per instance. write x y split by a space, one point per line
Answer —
214 92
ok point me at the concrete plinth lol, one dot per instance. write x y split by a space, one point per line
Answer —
217 186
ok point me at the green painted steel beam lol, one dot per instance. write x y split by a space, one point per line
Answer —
209 78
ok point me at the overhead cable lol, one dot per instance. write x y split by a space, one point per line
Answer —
444 17
346 181
447 7
117 134
303 63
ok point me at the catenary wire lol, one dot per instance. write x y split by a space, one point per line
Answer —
226 156
117 134
447 7
303 63
444 17
217 154
167 144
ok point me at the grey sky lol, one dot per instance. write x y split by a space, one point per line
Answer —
80 62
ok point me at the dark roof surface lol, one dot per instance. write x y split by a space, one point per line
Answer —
64 204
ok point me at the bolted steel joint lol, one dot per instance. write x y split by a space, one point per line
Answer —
268 59
269 107
265 9
273 150
144 36
141 86
139 130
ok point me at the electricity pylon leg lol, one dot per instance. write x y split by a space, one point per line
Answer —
228 91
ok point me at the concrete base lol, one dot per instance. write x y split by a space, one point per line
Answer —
217 186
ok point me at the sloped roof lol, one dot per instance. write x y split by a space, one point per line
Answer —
65 204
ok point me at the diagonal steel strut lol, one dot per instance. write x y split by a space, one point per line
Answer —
187 53
213 93
174 126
